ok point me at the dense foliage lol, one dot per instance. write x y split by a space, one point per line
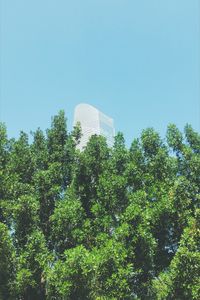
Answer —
102 223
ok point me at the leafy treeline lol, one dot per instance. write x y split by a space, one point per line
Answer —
102 223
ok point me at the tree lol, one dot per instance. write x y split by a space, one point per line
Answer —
25 219
4 157
182 280
90 165
67 224
7 263
30 271
103 223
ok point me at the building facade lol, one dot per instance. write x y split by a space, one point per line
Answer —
92 122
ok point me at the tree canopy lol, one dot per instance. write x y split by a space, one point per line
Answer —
103 223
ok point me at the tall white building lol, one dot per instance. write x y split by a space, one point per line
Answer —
93 121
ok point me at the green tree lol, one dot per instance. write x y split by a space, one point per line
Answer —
4 157
90 165
182 280
25 219
67 224
103 223
30 270
7 263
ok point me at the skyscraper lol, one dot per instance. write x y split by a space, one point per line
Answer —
93 121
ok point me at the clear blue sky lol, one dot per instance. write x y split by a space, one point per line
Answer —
136 60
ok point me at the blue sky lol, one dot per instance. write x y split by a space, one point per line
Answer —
136 60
